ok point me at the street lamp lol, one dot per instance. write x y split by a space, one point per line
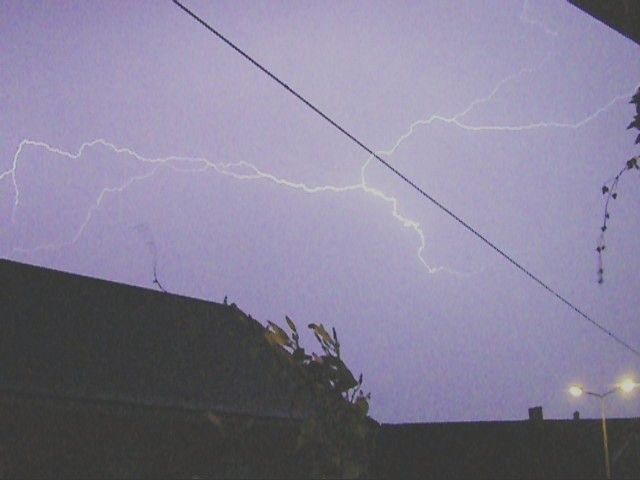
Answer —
626 386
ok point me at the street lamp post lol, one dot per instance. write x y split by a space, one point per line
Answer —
626 386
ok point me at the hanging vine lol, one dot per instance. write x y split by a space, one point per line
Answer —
610 188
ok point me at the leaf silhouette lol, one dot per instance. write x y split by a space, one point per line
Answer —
277 335
322 334
362 405
292 325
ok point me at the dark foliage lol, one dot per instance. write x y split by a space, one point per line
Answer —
336 441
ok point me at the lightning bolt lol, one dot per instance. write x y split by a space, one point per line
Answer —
245 171
241 170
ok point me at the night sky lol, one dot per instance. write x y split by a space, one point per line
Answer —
129 135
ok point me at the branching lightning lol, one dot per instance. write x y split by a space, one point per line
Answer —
245 171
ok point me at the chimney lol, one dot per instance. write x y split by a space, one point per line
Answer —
576 415
535 414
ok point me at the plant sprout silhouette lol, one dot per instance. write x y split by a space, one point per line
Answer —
144 231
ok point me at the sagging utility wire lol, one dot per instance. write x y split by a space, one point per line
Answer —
408 181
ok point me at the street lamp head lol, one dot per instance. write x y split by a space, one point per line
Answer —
627 385
576 390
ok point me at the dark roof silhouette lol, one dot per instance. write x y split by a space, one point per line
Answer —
70 336
553 449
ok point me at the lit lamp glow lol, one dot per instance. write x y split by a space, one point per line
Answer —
627 385
576 390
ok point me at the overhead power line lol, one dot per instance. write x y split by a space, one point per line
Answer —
398 173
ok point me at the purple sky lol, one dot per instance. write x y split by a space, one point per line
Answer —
115 115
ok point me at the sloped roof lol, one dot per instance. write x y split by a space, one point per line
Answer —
621 15
72 336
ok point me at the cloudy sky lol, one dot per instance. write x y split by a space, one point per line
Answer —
130 135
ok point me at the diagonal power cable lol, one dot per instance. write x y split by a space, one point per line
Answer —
407 180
